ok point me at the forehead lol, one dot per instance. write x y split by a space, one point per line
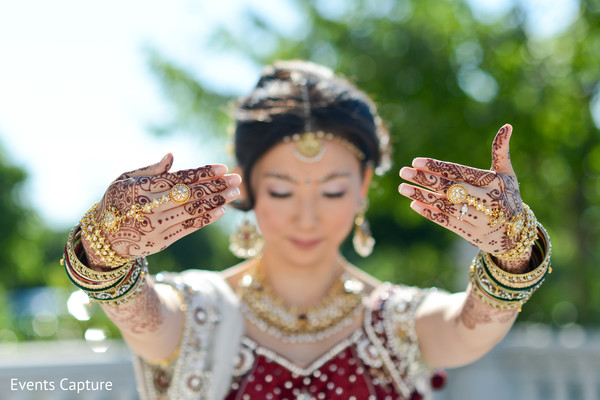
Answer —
282 158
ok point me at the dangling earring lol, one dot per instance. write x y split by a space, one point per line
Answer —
362 240
246 241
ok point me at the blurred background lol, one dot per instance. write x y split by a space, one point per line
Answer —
89 90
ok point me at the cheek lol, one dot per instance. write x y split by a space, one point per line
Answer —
339 216
270 215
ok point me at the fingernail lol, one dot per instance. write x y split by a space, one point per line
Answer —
416 206
219 169
407 173
405 190
234 179
419 162
233 192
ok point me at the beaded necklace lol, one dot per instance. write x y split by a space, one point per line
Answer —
293 324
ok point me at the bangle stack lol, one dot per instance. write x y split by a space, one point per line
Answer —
116 286
505 291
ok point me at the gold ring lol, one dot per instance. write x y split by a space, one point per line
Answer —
457 194
180 193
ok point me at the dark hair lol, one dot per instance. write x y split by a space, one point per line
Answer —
298 96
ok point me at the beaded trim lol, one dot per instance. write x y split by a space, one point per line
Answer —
315 365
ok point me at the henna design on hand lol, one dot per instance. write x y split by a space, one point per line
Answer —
209 187
472 176
476 313
203 205
431 199
194 175
437 183
197 223
497 156
497 188
136 236
143 314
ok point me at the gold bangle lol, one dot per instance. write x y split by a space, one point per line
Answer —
529 278
491 302
496 291
128 290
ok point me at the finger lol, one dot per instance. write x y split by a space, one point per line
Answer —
461 228
430 181
190 225
200 174
196 207
440 203
472 176
203 189
205 196
159 168
162 184
501 151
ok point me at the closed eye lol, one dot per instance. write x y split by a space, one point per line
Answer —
279 195
334 195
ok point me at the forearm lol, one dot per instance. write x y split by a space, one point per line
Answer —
151 323
149 316
480 326
457 329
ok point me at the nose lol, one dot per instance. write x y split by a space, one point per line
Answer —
307 213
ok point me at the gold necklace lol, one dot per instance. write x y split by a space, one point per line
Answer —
300 324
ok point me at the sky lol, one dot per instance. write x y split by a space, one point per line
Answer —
77 97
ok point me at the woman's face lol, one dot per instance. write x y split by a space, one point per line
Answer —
306 210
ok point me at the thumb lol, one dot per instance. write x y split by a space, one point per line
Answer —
501 151
160 167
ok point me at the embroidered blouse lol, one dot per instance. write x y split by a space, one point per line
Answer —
380 360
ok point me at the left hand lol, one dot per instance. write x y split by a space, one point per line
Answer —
497 188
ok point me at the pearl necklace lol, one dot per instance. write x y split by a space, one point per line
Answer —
292 324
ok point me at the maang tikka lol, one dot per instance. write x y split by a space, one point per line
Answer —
362 240
309 144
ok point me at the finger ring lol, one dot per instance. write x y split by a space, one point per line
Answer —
457 194
463 211
180 193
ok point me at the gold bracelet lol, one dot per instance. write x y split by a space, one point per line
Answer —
90 229
528 237
85 271
112 218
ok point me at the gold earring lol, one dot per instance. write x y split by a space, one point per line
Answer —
362 240
246 241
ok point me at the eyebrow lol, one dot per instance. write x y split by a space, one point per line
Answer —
280 175
291 179
334 175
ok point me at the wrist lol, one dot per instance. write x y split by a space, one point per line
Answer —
516 266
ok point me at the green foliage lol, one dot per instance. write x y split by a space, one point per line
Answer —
445 82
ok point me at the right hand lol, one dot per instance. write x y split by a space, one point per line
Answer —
210 189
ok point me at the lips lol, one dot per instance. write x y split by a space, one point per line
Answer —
305 244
